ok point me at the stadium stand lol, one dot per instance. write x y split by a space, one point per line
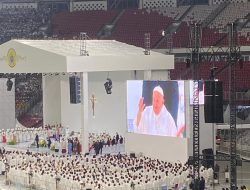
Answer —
199 13
230 14
22 23
68 24
133 24
241 80
28 92
173 12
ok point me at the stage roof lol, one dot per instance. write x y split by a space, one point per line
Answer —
43 56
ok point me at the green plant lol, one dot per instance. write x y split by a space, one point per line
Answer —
42 143
12 142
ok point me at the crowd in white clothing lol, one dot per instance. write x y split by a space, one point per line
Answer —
22 134
100 172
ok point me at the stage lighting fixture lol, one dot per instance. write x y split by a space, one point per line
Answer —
212 72
188 63
9 84
241 63
108 86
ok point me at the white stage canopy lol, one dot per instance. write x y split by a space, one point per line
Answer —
47 56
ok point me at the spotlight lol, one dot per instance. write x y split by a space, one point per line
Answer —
241 63
188 63
9 84
108 86
212 72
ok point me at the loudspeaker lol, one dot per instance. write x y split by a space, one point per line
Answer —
75 89
239 162
208 158
213 107
9 84
190 160
207 152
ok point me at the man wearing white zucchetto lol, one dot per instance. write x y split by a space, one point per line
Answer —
155 119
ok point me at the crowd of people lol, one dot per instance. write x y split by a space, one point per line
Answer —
22 23
28 92
100 172
59 139
99 140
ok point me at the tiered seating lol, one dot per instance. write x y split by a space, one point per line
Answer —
69 24
135 23
181 37
230 14
242 75
211 37
173 12
22 23
199 13
31 121
178 70
28 92
244 36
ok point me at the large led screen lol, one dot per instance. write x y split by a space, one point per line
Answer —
156 108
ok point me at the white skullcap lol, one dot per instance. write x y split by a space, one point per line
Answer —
158 89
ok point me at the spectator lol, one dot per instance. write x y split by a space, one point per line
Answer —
202 184
227 174
49 142
37 140
216 172
121 140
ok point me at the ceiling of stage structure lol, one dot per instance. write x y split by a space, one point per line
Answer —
44 56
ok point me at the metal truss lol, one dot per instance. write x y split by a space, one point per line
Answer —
83 44
231 56
234 55
218 157
195 39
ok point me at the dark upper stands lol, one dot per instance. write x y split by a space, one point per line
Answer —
22 23
130 26
69 24
133 24
242 75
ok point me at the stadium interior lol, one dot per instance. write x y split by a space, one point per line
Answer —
161 26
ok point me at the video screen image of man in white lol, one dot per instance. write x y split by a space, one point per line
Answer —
155 119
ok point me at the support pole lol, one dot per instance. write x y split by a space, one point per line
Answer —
195 45
233 58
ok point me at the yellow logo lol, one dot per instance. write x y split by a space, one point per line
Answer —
11 57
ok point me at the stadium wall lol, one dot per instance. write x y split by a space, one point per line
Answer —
163 148
12 5
7 105
51 100
88 5
148 4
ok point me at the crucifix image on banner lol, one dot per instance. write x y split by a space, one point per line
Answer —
93 102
